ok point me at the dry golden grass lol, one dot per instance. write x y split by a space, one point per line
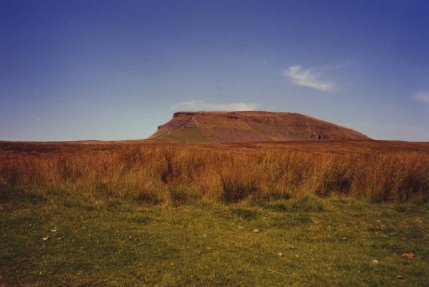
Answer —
177 173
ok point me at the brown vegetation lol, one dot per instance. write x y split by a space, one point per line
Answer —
177 173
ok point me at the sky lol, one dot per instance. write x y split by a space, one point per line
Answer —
115 70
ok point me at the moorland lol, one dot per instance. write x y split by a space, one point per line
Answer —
146 213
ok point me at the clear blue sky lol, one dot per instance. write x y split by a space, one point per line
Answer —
109 70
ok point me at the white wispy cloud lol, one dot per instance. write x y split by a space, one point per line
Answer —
202 105
307 78
422 96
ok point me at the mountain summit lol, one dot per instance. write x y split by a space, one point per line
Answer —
252 126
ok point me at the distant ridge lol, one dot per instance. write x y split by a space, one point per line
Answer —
252 126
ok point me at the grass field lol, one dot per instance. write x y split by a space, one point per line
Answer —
268 214
178 173
304 241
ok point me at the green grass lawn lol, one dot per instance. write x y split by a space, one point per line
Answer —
300 242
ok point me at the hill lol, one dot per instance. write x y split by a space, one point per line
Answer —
252 126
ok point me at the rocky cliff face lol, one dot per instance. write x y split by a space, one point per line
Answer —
250 127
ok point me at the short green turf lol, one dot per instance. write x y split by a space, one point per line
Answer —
340 242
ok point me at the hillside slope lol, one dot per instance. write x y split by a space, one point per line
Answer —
249 127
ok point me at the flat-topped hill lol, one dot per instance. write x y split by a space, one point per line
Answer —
252 126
